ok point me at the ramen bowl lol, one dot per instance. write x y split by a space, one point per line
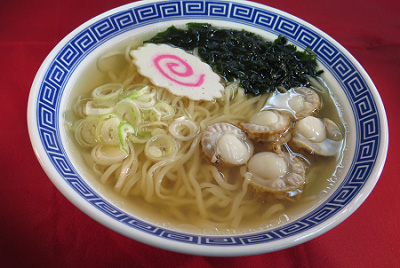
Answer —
62 71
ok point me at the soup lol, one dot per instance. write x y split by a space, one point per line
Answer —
231 159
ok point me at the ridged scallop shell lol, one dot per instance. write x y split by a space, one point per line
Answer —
294 178
281 101
278 132
330 146
212 136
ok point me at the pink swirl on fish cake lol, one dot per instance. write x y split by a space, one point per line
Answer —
173 63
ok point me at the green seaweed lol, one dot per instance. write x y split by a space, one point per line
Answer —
261 65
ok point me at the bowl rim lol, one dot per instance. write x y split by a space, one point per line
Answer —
210 245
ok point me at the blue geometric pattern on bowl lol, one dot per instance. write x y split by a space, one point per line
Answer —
347 75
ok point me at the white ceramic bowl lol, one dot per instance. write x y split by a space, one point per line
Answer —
363 111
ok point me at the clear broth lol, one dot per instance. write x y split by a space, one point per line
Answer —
321 176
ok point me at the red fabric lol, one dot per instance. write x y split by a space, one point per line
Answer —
40 228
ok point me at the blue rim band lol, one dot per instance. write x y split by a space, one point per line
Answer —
366 114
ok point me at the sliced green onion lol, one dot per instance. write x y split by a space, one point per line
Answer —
166 111
140 137
124 129
98 108
142 134
150 114
160 147
129 111
157 131
135 91
152 124
183 128
79 107
109 91
108 154
107 129
146 100
85 131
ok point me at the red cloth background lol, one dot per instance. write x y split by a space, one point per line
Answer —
39 227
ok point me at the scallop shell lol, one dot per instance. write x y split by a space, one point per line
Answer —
298 101
261 128
227 144
276 173
329 143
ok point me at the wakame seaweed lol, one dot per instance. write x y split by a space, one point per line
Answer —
261 65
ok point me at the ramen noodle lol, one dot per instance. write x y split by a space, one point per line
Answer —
198 152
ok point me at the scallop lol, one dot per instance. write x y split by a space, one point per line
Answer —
268 126
227 144
276 173
317 136
298 101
